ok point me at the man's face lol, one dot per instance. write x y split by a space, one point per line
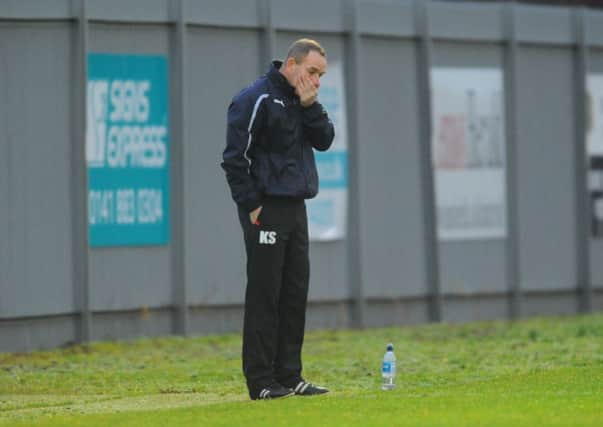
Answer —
313 66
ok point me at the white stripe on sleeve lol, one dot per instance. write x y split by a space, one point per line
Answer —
255 110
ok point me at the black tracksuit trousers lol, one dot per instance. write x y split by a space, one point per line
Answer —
278 272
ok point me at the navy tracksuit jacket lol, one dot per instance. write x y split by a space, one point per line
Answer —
269 142
269 162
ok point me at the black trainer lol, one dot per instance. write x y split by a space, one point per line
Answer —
272 391
303 388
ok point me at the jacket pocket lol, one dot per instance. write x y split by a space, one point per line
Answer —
279 163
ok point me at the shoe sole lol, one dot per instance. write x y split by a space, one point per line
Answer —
310 395
277 397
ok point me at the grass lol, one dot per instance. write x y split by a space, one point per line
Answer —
544 371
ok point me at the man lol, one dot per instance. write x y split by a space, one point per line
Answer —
273 125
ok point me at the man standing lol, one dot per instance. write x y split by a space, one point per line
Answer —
273 125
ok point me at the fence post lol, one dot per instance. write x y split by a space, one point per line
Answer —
354 235
510 99
583 210
424 61
79 184
178 214
268 43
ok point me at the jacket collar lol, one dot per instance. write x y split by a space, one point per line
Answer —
278 79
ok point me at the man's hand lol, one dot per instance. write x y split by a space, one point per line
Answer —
253 215
306 91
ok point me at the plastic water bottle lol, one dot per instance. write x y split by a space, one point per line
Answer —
388 369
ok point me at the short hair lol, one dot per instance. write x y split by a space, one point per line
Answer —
302 47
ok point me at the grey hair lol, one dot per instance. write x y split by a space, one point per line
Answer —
302 47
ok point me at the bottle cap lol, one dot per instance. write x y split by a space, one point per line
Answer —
390 347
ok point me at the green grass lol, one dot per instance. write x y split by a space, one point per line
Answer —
538 372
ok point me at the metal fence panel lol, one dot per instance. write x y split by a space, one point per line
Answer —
466 266
545 168
328 278
220 63
36 97
123 278
389 170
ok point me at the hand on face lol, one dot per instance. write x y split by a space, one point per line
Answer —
305 89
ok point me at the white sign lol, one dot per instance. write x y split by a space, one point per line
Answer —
327 212
594 113
594 149
468 152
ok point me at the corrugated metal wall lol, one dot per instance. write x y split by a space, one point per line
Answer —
389 269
